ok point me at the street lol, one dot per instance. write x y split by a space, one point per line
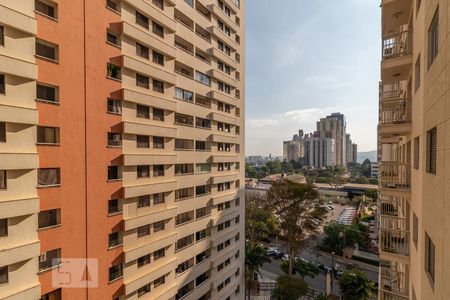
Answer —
271 271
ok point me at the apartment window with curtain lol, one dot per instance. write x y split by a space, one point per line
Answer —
46 50
159 254
430 257
114 239
184 242
3 228
143 231
47 135
47 93
142 20
2 132
49 259
158 3
142 141
4 275
417 74
157 29
184 217
431 150
144 201
159 226
143 260
2 84
158 170
142 111
143 290
433 38
416 153
184 94
202 123
46 8
143 171
158 198
185 120
49 177
158 114
158 142
142 51
113 71
142 81
49 218
114 139
158 86
115 272
114 106
3 180
114 173
202 78
202 168
112 4
158 58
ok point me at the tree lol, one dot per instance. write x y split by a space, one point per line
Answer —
289 288
335 233
293 204
255 258
302 268
259 222
250 171
365 168
372 194
287 167
355 285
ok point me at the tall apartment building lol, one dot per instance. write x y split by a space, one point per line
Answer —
350 149
334 127
354 153
320 152
415 150
122 140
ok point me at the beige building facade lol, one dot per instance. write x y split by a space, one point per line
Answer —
414 145
122 139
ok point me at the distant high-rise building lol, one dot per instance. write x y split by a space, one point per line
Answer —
334 127
320 152
354 153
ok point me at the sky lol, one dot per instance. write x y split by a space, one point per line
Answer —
306 59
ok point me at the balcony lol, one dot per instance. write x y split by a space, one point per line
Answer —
392 206
396 55
395 117
395 175
393 282
394 236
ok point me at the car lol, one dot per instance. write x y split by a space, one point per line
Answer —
278 255
330 207
285 257
338 274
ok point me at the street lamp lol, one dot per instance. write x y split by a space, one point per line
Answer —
332 269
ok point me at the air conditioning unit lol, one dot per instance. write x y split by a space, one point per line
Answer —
43 257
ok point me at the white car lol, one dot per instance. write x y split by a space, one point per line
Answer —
285 257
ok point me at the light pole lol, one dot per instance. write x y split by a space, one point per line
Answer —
332 269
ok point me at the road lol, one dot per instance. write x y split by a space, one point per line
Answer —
271 271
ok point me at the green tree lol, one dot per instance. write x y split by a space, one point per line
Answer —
302 268
294 205
250 171
255 258
365 168
259 222
287 167
322 297
372 194
335 233
289 288
354 285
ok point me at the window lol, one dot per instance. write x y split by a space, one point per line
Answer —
182 119
158 86
159 254
141 20
49 177
46 9
158 142
237 219
159 281
182 144
184 242
49 218
223 87
158 114
202 190
431 150
115 272
202 146
142 81
142 51
200 235
47 93
188 288
47 50
203 168
415 234
202 78
114 139
202 123
417 74
237 165
143 171
158 198
158 170
3 228
144 201
144 290
158 58
430 256
416 153
184 266
201 279
143 260
184 94
143 231
114 206
184 193
433 38
238 130
2 132
159 226
157 29
183 169
114 173
184 217
201 212
47 135
2 84
115 106
112 4
4 275
113 71
159 3
2 36
201 257
142 141
49 259
114 239
142 111
112 38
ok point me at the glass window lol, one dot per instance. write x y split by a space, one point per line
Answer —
143 231
158 170
49 218
45 8
144 201
143 171
158 86
114 239
115 272
159 254
158 58
203 78
142 20
3 228
114 173
142 51
49 259
2 84
158 114
430 257
4 275
143 260
433 38
47 135
159 226
144 290
203 168
114 206
47 50
115 106
431 150
142 111
142 81
47 93
158 142
142 141
159 281
157 29
184 94
158 198
48 177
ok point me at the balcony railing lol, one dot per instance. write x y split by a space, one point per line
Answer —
394 240
393 284
392 206
395 111
394 90
396 45
395 175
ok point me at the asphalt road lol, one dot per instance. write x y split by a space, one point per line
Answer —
271 271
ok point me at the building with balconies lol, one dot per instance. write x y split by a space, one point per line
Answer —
413 149
122 139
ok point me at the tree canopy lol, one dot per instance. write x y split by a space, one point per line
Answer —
355 285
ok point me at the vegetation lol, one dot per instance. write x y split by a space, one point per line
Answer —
294 205
372 194
355 285
255 258
302 268
260 224
289 288
335 233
